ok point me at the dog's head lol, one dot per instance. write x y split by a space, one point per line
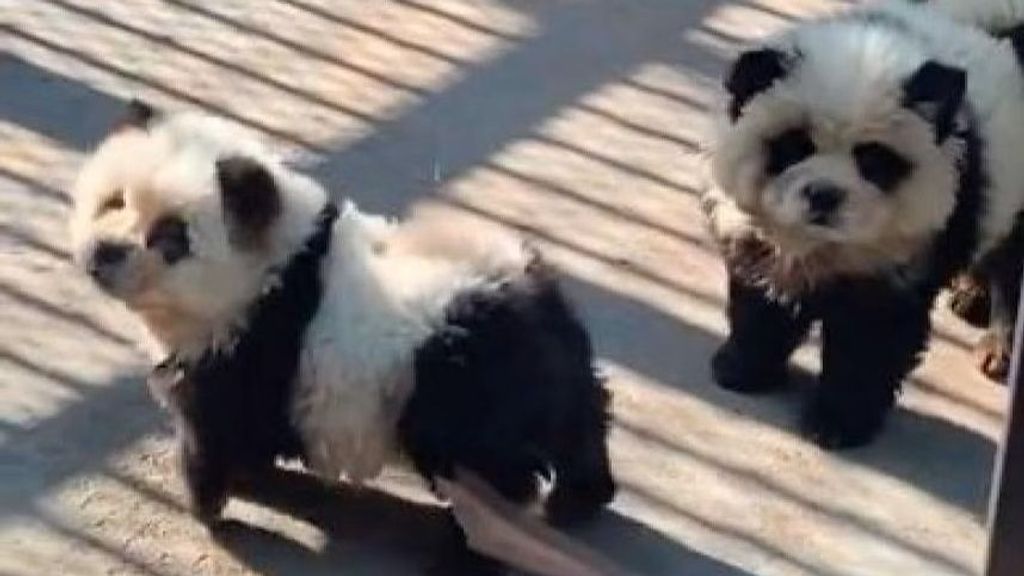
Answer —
181 216
839 136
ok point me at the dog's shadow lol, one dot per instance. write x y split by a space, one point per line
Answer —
371 532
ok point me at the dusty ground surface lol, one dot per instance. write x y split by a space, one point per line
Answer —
576 122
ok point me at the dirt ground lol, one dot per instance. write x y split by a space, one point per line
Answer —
575 122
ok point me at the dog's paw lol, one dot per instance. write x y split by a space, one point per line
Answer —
992 356
730 371
834 427
969 300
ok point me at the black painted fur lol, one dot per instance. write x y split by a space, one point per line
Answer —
137 114
874 329
1016 37
506 389
250 198
232 407
753 73
936 92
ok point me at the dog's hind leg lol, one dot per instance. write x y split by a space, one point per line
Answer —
583 478
1005 269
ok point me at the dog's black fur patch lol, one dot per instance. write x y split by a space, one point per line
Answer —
507 389
232 406
881 165
936 92
874 329
137 114
249 195
169 237
1016 37
753 73
788 149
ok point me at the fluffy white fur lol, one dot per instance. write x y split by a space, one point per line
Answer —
169 169
991 15
847 89
388 288
386 284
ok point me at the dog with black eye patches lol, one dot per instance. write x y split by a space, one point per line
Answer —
293 328
860 162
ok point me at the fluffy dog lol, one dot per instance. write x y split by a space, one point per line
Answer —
861 161
977 295
293 329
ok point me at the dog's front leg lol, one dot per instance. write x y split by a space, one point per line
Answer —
763 333
205 472
873 336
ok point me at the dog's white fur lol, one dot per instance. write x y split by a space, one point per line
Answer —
990 15
169 169
386 284
847 89
388 288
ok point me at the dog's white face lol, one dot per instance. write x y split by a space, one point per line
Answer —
838 135
181 216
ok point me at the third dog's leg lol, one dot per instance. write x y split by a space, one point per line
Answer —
762 335
993 352
970 297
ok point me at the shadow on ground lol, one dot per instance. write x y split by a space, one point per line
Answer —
364 526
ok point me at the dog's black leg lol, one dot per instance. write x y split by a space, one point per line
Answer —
873 335
762 335
206 475
583 479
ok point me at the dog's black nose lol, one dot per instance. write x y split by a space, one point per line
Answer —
107 256
822 200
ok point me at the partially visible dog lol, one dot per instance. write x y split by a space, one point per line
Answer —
985 295
861 162
294 329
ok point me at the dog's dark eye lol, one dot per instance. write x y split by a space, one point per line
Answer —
789 148
114 202
880 165
169 237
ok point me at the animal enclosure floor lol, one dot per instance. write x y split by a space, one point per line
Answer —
576 123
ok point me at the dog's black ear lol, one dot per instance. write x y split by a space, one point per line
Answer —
936 92
249 195
138 114
753 73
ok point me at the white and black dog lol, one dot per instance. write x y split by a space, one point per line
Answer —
293 329
861 161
